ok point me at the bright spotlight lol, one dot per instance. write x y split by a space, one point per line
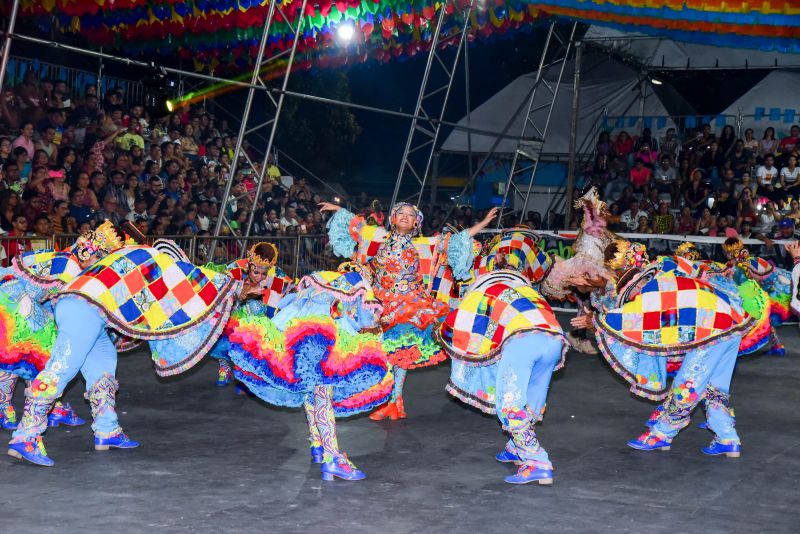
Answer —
345 32
656 81
170 106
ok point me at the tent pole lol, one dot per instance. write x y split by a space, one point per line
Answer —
642 89
573 133
12 21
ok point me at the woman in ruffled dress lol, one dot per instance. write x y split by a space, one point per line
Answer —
321 351
263 286
414 279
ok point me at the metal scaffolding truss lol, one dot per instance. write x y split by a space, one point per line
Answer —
271 122
557 47
525 162
434 92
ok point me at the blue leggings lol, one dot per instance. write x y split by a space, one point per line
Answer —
704 374
523 378
82 345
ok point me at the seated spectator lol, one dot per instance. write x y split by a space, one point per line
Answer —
686 223
25 140
696 192
630 217
648 156
723 229
643 226
670 146
83 184
791 142
766 177
739 159
110 210
9 210
790 177
725 205
622 146
42 231
705 222
640 175
46 144
665 176
646 139
768 143
15 247
663 221
77 207
289 220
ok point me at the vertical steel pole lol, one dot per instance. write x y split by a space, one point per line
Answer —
278 108
573 133
245 115
12 22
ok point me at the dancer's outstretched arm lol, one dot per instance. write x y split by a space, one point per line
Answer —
484 223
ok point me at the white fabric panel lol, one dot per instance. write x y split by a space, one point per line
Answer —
779 89
605 83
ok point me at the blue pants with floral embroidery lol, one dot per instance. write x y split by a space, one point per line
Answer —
523 378
705 374
82 345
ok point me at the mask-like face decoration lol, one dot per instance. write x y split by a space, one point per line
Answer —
97 243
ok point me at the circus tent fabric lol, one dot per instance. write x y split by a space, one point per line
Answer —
607 86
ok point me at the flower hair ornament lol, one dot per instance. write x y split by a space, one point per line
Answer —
253 258
688 250
735 249
393 217
628 255
98 242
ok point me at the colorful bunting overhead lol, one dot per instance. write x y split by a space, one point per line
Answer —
224 34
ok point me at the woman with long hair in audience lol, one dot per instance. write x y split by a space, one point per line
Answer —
58 216
750 142
768 143
131 191
83 183
9 209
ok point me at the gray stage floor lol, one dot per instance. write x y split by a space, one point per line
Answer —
211 461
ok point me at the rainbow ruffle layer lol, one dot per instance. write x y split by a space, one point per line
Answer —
282 367
23 351
409 347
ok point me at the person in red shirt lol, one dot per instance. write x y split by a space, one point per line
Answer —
640 175
15 247
790 142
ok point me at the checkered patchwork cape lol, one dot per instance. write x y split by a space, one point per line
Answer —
498 305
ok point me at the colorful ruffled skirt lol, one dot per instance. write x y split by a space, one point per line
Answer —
282 367
408 322
27 331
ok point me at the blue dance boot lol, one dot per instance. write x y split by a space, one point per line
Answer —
341 467
118 441
777 350
507 456
317 455
528 473
651 422
32 451
8 418
731 450
649 441
63 414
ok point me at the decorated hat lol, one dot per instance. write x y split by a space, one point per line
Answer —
688 250
629 255
735 249
98 242
253 258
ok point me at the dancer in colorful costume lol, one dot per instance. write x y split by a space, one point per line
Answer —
322 351
660 313
140 294
505 343
776 282
414 279
27 328
263 286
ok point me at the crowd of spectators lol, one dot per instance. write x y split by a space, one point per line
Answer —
71 158
706 184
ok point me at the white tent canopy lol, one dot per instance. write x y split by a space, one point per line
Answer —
607 86
661 53
774 101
